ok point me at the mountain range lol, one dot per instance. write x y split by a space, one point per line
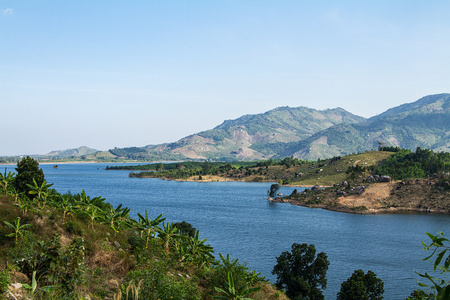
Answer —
301 132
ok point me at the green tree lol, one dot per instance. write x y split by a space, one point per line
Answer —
362 286
27 170
185 228
273 190
301 273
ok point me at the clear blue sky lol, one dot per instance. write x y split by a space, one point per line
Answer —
110 74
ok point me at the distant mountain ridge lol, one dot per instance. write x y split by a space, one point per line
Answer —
300 132
424 123
76 152
253 136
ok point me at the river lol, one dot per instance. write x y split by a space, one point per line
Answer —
236 219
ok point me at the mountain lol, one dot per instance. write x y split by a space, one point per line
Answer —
424 123
72 152
256 136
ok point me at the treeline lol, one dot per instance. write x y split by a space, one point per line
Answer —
419 164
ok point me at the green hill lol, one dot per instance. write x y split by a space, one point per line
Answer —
254 136
424 123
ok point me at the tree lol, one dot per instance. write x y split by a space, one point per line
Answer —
185 228
301 273
273 190
362 286
27 170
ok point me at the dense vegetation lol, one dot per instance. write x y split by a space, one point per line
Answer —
419 164
67 246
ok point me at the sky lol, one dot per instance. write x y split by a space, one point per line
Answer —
107 74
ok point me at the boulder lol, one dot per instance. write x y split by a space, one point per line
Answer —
385 178
315 188
360 190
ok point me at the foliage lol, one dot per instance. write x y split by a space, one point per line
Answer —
159 283
439 284
5 181
233 293
241 274
362 287
5 280
273 190
301 273
18 229
185 228
406 164
27 170
147 225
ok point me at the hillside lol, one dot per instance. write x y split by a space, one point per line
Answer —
424 123
77 152
258 136
73 246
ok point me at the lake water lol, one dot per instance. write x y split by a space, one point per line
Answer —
237 219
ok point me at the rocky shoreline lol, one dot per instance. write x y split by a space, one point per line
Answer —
363 211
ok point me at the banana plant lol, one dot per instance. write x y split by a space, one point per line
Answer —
83 200
198 250
146 225
41 191
24 205
5 181
232 293
93 212
66 204
167 235
116 217
18 229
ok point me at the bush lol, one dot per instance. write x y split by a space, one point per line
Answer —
157 283
4 281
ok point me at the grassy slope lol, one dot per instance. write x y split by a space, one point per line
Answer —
108 256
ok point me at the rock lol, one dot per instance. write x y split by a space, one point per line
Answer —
340 193
360 190
385 178
377 177
315 188
370 179
270 199
345 183
20 277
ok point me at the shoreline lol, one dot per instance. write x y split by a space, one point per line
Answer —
368 211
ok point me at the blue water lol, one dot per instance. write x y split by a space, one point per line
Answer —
237 219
